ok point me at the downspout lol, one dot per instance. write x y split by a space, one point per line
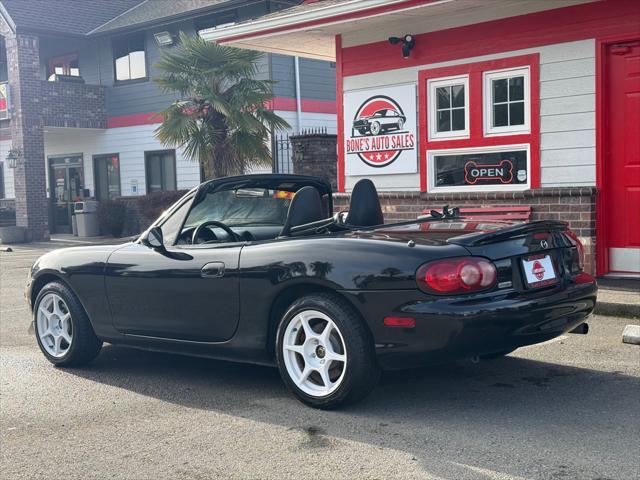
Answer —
296 68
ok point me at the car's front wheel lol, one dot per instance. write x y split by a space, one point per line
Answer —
325 352
62 327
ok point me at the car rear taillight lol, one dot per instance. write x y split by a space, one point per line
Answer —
456 275
579 248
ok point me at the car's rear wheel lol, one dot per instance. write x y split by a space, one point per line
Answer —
62 327
325 352
375 128
400 124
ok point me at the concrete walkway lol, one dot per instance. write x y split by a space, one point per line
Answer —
619 297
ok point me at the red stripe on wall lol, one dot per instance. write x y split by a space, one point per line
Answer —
598 19
133 120
309 106
278 103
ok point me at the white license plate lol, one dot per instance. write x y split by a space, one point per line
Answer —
539 271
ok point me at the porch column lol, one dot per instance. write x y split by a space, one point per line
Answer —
314 153
27 133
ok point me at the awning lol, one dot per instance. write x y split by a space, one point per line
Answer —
309 30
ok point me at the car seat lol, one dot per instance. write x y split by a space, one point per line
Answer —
364 208
305 207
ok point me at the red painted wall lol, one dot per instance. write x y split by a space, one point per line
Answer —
592 20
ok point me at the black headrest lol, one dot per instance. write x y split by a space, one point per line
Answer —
305 207
364 208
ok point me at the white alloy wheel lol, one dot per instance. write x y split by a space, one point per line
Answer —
314 353
54 325
400 124
375 128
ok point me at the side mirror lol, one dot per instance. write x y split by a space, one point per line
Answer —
153 239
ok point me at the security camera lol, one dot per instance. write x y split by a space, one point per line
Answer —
408 42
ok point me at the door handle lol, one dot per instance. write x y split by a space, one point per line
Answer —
212 270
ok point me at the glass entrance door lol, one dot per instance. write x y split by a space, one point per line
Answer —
66 184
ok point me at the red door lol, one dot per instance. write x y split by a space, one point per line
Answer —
622 156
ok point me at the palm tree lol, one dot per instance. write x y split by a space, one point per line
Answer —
220 118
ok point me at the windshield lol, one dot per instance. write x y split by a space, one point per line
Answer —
234 208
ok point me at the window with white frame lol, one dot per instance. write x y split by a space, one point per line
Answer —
448 101
507 102
504 167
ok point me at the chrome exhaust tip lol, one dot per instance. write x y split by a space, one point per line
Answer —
581 329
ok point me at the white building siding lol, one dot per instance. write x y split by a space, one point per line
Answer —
567 112
310 120
129 142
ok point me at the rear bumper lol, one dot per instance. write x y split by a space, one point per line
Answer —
461 327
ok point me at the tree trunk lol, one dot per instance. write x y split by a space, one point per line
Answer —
209 169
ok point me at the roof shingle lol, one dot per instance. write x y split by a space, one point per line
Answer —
76 17
150 10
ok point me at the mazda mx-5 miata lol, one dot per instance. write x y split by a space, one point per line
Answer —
258 269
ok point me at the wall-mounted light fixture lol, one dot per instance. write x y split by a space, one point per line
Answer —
407 42
164 38
15 158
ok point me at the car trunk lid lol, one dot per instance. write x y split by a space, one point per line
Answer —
527 255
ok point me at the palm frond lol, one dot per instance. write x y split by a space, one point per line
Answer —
221 115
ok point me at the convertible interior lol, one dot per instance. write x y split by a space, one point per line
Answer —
255 212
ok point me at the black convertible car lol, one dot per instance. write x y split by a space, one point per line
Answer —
258 269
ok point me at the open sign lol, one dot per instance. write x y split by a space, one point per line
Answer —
502 172
483 168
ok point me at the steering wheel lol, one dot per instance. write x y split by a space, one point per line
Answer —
199 229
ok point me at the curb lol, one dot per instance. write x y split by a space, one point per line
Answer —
617 309
631 334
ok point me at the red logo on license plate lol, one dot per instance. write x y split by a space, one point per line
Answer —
538 270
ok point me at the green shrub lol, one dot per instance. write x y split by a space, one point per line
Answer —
111 216
153 204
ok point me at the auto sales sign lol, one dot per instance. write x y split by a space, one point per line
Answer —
380 131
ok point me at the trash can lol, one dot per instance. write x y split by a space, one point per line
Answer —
87 218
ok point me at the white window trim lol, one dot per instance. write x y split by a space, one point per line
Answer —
431 188
432 84
488 77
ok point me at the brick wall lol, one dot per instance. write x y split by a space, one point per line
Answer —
575 205
315 154
27 131
73 105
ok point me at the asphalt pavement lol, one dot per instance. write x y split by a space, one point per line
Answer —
568 409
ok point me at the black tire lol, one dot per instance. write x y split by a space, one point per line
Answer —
85 345
493 356
362 371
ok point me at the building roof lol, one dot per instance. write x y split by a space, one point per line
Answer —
310 30
74 17
93 17
149 11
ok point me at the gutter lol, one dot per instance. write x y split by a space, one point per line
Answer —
318 14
